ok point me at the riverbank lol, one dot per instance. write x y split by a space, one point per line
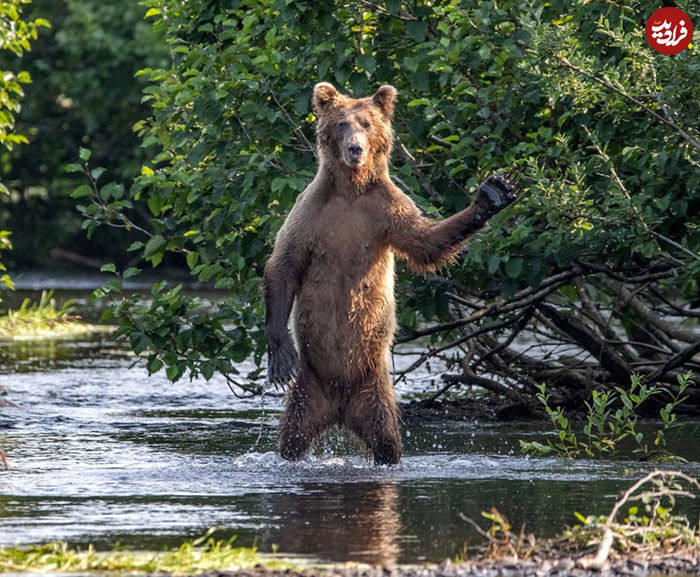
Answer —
485 407
45 320
682 564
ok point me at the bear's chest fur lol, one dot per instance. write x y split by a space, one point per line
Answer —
345 236
345 304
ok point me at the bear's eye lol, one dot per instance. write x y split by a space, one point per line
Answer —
365 123
343 124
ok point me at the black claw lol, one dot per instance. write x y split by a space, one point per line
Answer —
497 192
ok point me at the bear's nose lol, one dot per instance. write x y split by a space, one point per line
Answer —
355 150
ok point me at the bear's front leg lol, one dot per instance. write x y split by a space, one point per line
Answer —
280 284
428 244
283 361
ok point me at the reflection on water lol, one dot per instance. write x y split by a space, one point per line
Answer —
361 519
102 454
33 355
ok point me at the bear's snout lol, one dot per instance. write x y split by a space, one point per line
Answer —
355 151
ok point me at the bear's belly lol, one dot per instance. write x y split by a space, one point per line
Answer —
344 322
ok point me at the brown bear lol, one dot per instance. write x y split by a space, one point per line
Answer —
333 260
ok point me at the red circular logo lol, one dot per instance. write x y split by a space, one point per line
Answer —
669 30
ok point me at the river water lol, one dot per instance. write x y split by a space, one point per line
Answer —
101 453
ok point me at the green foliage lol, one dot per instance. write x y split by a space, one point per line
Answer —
15 36
84 94
192 557
188 334
483 87
611 419
5 244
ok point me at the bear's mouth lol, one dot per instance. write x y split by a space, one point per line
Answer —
353 161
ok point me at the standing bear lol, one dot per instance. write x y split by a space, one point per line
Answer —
333 263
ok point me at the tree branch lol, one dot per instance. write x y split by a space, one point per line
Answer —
689 139
522 299
484 383
618 367
676 361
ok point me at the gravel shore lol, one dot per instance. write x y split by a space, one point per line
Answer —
630 567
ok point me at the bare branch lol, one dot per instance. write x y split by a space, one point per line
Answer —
618 367
674 244
648 316
517 329
676 361
521 299
440 141
484 383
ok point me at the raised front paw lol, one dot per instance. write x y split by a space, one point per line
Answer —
495 193
282 362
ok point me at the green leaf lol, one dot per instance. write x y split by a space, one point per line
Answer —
417 30
81 191
97 172
111 267
154 365
173 372
84 154
207 369
366 62
130 272
111 190
153 245
155 204
514 267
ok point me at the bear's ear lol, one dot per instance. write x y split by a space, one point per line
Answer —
324 94
384 99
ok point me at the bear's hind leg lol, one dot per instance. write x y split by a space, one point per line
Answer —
306 415
373 415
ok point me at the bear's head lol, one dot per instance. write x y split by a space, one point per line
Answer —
354 135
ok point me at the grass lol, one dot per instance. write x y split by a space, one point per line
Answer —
43 319
641 524
193 557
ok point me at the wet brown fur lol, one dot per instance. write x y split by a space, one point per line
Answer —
334 258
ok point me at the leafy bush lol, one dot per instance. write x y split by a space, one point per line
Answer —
601 131
83 93
15 36
611 419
